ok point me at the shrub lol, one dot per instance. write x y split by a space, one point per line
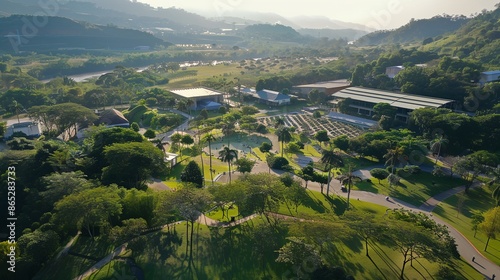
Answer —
277 162
265 147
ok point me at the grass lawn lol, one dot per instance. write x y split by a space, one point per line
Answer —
477 201
415 189
116 269
73 266
216 214
220 253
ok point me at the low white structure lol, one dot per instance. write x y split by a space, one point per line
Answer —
29 128
171 159
203 98
489 76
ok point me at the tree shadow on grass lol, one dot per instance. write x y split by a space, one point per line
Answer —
338 205
314 203
367 187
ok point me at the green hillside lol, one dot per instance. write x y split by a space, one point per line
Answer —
61 33
478 39
415 31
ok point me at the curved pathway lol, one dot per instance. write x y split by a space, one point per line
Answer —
464 246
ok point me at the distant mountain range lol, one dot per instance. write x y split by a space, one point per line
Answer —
177 25
182 27
24 33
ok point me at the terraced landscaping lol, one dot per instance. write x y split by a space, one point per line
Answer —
308 124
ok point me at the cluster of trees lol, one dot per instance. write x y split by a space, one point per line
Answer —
64 187
463 132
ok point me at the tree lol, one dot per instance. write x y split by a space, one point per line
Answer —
348 179
379 173
260 85
265 147
59 185
322 136
413 242
496 195
437 144
190 203
228 155
176 139
209 137
62 118
469 168
393 157
88 209
192 174
330 158
135 127
249 110
38 246
150 134
476 219
204 114
317 114
186 140
296 252
341 142
244 165
491 224
384 109
132 164
284 135
365 225
279 122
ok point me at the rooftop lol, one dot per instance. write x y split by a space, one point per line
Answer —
493 72
197 92
23 124
112 117
327 84
271 95
400 100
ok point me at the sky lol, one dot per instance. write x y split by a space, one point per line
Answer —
378 14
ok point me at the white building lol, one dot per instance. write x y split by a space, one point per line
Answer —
30 129
489 76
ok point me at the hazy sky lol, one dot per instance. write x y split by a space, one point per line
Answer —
380 14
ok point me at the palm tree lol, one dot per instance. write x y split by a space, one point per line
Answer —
209 137
228 155
159 144
278 122
330 158
348 179
436 144
284 135
393 157
176 139
496 195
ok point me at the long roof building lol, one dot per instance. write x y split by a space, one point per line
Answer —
365 98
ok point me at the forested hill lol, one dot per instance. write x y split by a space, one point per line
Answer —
62 33
479 39
275 32
415 31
